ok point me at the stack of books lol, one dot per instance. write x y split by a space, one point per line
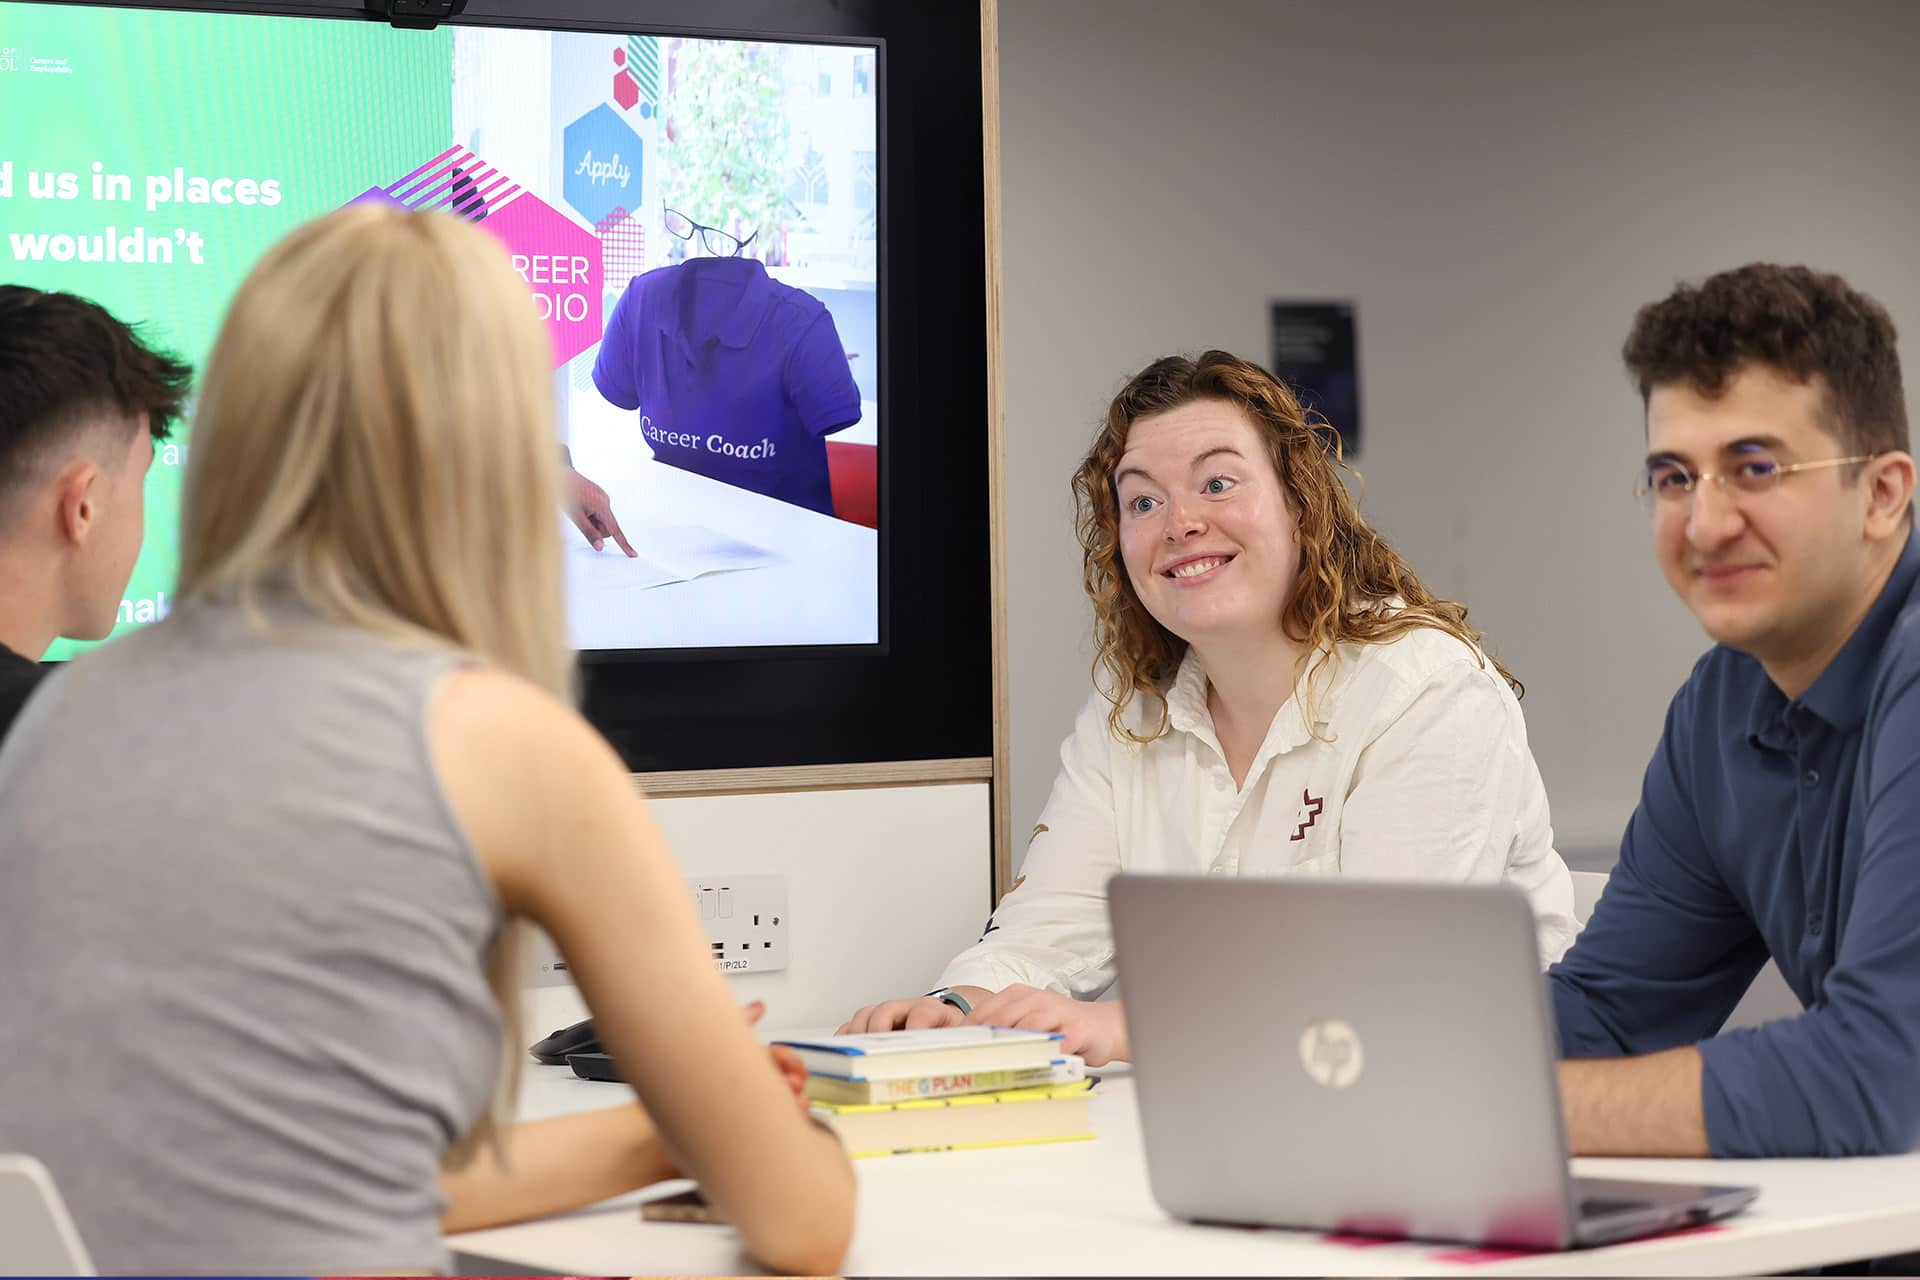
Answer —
945 1089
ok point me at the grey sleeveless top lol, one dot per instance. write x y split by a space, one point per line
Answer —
243 1008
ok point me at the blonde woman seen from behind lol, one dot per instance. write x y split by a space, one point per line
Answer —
339 773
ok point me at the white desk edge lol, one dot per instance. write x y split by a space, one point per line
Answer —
1086 1208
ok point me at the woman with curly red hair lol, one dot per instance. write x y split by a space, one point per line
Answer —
1275 694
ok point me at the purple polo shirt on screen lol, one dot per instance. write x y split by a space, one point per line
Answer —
736 376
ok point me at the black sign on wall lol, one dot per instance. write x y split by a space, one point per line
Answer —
1315 352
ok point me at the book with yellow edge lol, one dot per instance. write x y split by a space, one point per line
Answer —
1008 1117
927 1052
907 1088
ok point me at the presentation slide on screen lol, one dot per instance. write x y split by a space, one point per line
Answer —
697 222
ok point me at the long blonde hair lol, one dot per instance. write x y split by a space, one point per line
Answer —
375 435
1347 573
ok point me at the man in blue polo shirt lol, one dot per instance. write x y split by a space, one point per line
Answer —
736 376
1781 813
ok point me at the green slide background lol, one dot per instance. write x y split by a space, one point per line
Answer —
328 107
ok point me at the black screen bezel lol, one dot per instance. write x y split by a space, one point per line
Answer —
925 691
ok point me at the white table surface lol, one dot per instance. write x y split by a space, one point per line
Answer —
1084 1208
822 588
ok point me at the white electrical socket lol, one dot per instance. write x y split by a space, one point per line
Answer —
746 921
542 966
745 918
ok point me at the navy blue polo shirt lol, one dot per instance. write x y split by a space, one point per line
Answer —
736 376
1782 827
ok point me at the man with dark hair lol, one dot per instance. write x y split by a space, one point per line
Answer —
82 401
1780 815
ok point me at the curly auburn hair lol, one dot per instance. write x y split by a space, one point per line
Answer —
1347 573
1802 323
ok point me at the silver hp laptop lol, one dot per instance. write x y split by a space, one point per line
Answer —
1374 1058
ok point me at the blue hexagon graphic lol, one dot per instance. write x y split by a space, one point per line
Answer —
603 164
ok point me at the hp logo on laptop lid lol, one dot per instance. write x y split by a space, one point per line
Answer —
1330 1051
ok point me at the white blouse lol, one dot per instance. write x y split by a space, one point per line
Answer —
1420 770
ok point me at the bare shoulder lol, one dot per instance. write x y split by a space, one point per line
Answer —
518 767
495 722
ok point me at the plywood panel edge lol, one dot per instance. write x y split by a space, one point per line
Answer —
996 445
817 777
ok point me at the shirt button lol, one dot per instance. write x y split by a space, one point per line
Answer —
1811 777
1216 870
1220 783
1813 925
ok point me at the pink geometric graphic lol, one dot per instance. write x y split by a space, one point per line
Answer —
626 90
623 248
456 180
560 261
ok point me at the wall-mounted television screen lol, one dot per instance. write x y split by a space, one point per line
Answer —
698 221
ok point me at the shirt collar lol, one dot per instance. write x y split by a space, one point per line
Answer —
730 307
1187 699
1767 720
1187 709
1839 696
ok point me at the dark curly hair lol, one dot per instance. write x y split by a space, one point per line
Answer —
1804 324
1347 572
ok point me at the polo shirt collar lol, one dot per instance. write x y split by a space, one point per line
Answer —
1839 696
731 312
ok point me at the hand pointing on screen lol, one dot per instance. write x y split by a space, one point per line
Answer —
592 514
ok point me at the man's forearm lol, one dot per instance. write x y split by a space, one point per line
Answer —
1645 1106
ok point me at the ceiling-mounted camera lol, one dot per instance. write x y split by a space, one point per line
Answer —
418 15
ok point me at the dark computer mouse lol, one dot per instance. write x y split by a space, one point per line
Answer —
594 1066
578 1038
